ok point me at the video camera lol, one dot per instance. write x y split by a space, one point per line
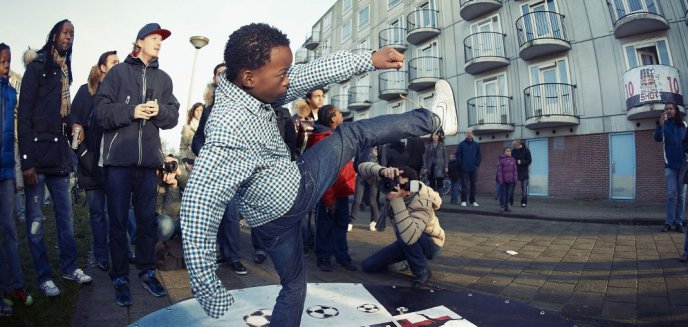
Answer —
169 167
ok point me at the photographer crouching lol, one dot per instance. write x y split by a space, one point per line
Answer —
171 181
411 207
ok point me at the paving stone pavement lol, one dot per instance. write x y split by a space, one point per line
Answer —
598 263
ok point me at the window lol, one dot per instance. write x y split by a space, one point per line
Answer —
346 31
549 93
363 17
346 6
491 104
327 22
325 48
653 52
488 43
392 3
625 7
540 21
426 16
550 72
364 45
397 31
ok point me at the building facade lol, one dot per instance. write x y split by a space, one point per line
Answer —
582 81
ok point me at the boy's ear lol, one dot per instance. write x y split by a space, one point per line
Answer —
248 79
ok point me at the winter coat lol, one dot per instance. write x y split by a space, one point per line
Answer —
88 153
185 144
468 155
287 131
454 170
43 132
415 148
394 155
435 159
126 141
8 98
673 136
522 154
346 180
507 172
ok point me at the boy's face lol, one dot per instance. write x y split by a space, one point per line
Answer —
270 81
150 45
65 38
5 60
316 99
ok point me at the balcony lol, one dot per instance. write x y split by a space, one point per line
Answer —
649 88
392 84
341 101
550 105
313 39
313 55
484 51
359 97
422 25
471 9
634 17
393 37
490 114
541 33
301 56
424 72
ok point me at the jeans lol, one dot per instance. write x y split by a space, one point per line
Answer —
167 227
20 205
137 185
255 241
416 254
467 178
11 276
524 192
507 191
358 199
319 167
330 231
676 196
455 189
228 234
58 186
97 209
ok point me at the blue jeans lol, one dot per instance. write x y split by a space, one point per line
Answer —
137 185
524 192
358 199
228 234
416 254
11 276
20 205
330 231
506 192
97 209
455 190
468 179
58 186
319 167
167 227
676 196
255 241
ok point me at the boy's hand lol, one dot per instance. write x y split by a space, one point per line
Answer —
387 58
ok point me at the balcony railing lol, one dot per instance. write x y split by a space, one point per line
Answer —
550 99
471 9
392 84
340 101
633 17
359 97
422 25
393 37
301 56
424 72
312 39
541 33
313 55
484 51
490 113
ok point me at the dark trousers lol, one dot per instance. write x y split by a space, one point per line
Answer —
139 185
330 232
524 192
507 191
467 178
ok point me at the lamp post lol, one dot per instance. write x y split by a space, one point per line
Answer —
198 42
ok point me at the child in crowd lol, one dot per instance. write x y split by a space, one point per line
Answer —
507 175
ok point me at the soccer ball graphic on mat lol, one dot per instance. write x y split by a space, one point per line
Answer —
322 311
259 318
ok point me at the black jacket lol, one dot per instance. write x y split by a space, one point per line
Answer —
522 154
88 153
454 170
126 141
42 132
199 137
415 148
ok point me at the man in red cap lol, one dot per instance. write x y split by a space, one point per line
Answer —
133 103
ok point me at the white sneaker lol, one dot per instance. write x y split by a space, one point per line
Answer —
372 226
78 276
350 228
475 204
443 105
49 288
463 204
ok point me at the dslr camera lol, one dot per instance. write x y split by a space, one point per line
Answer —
169 167
389 184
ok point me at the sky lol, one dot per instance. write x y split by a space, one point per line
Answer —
101 26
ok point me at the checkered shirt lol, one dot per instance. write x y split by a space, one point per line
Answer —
245 160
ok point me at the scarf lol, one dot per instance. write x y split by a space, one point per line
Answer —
66 98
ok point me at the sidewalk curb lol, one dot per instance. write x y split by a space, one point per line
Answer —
595 220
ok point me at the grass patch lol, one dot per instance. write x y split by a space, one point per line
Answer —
56 311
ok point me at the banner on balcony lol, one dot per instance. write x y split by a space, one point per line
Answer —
652 84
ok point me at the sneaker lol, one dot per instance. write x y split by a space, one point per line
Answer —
152 284
5 310
523 205
49 288
238 268
678 228
349 228
666 228
324 265
463 204
444 107
372 226
78 276
19 295
475 204
422 279
348 265
259 257
122 295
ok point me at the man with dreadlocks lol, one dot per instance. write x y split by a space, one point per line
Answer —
45 156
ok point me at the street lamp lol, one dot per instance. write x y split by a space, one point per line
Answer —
198 42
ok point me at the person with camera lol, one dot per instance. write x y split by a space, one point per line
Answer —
172 179
411 207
